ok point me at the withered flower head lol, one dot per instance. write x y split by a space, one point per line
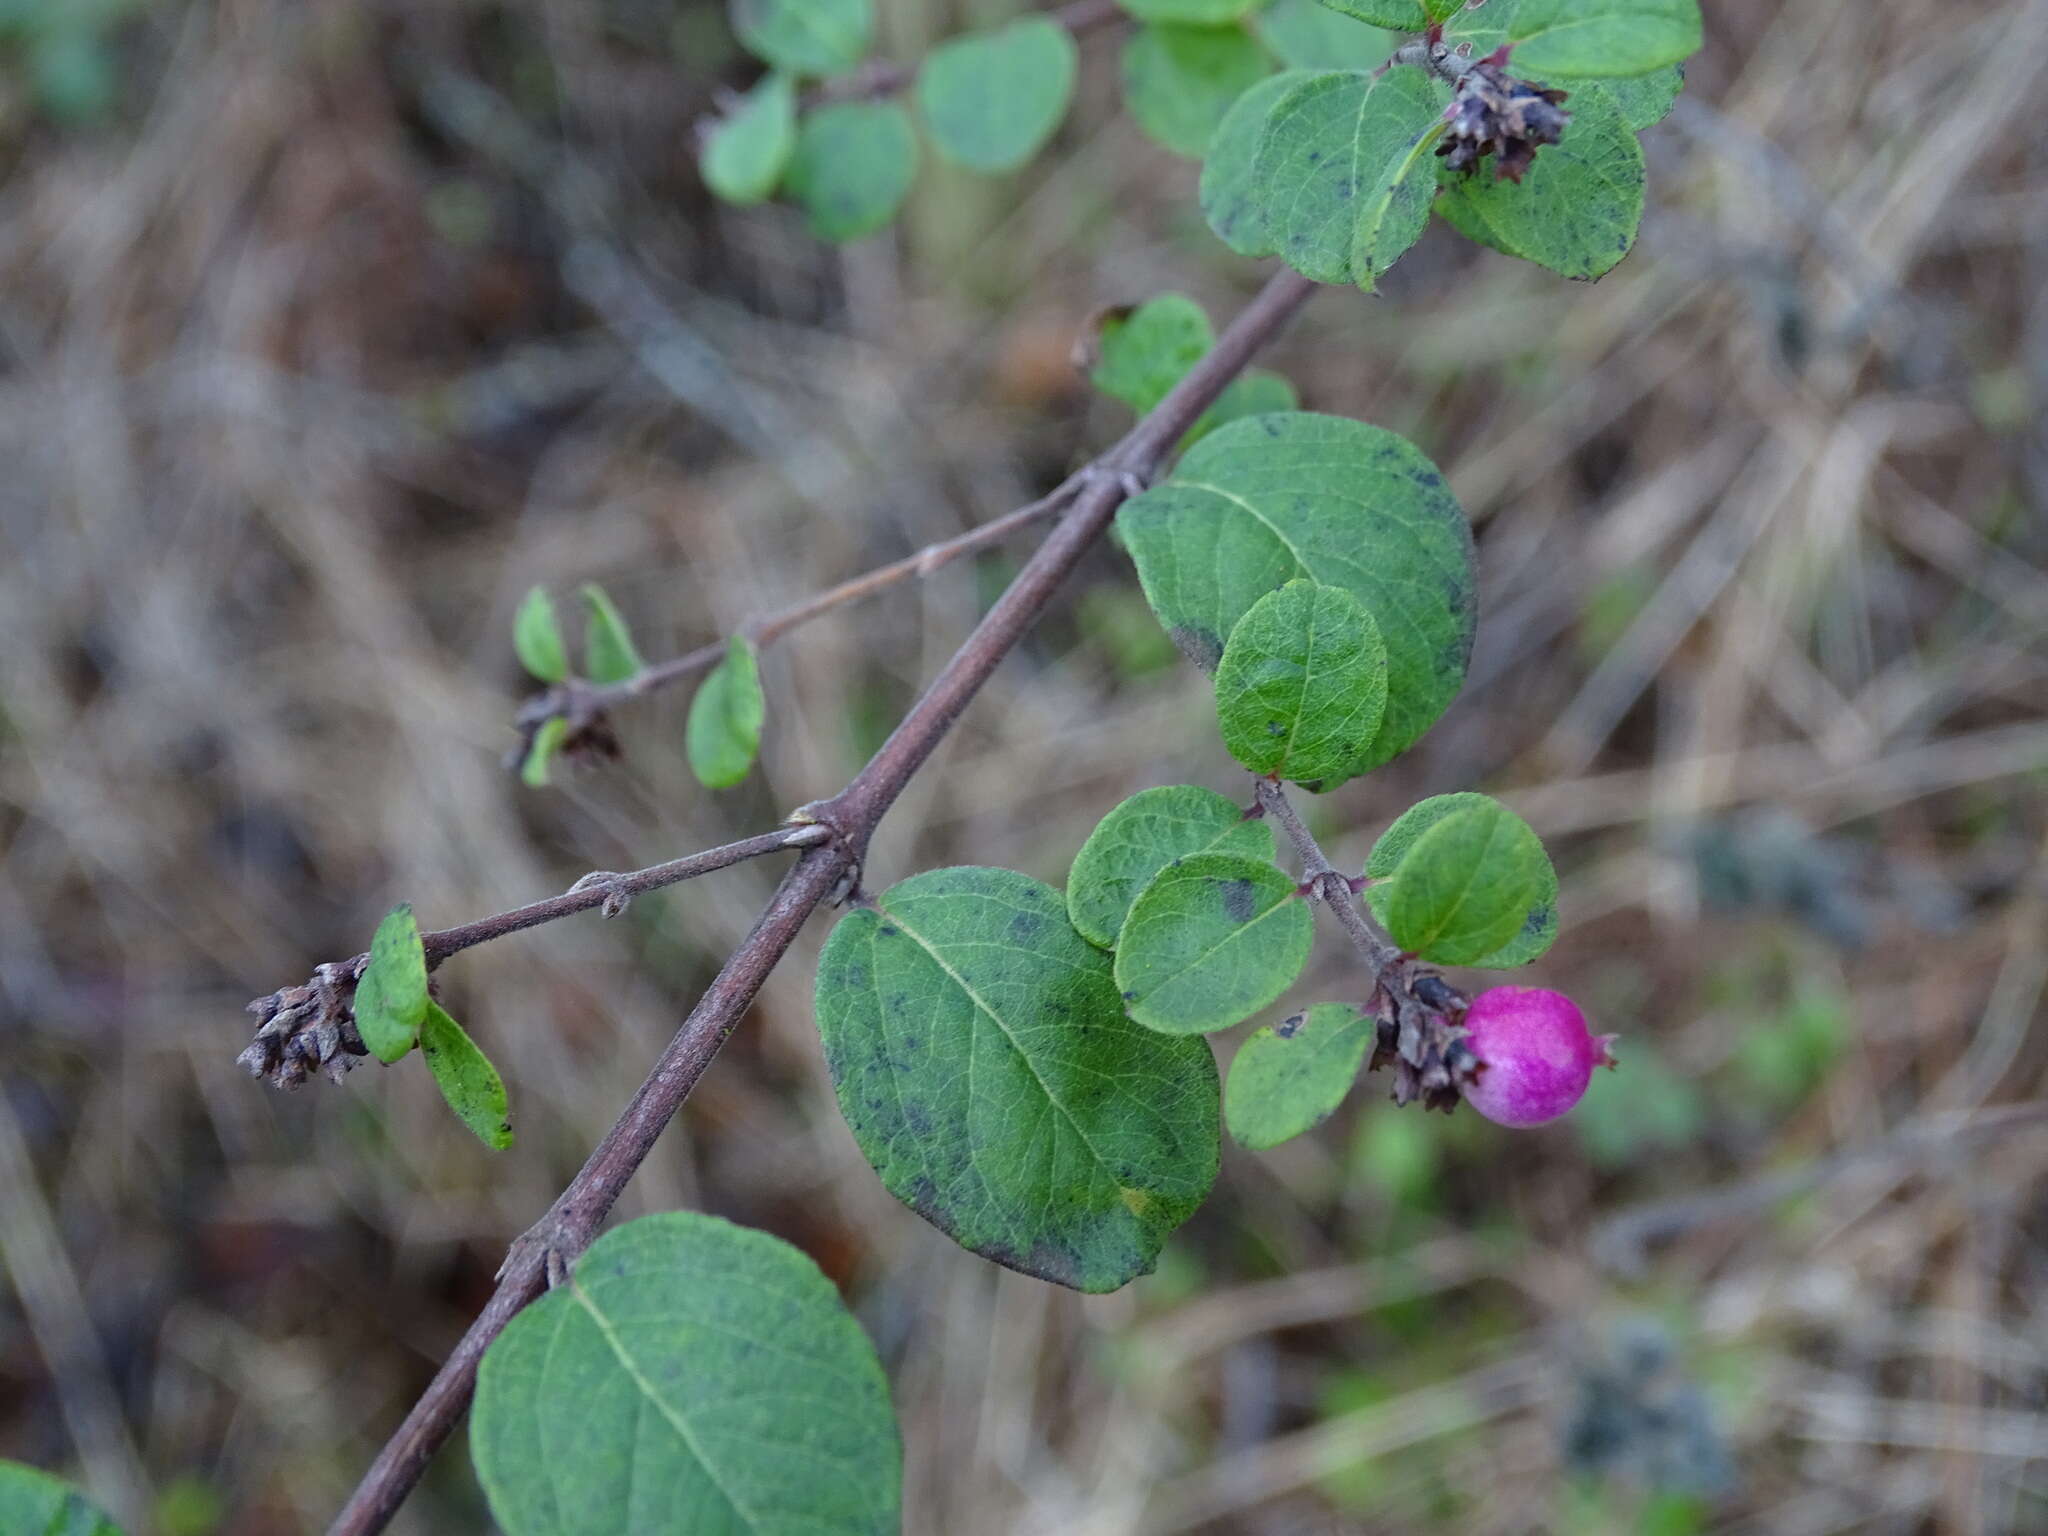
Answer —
1492 113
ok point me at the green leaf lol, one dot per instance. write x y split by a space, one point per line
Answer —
724 728
1289 1077
1258 392
391 994
852 168
1270 499
1341 148
1576 210
1189 13
1644 100
1302 685
1466 888
983 1061
1581 37
609 655
1232 201
1305 34
745 155
37 1504
547 741
1143 352
1140 838
992 100
537 638
1538 930
1396 15
805 37
1213 939
691 1376
469 1082
1180 81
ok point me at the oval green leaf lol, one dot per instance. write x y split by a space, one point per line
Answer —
984 1063
1538 930
992 100
1232 201
468 1081
609 655
37 1504
1466 887
537 638
1270 499
805 37
1302 685
1581 37
1306 34
691 1376
1142 353
1140 838
852 168
1213 939
1576 210
724 729
746 153
547 741
1180 81
391 994
1341 148
1289 1077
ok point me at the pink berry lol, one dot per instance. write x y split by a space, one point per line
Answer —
1536 1051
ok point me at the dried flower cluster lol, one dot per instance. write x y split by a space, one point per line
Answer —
1492 113
308 1027
1420 1039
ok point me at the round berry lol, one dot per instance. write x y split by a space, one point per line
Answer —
1535 1053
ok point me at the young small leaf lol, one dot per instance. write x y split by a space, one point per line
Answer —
469 1082
1213 939
985 1066
1577 209
547 741
805 37
1340 146
1140 838
37 1504
609 655
724 728
1289 1077
1180 81
1306 34
391 994
1466 887
537 638
745 155
1189 13
691 1376
1581 37
1538 930
853 166
1232 201
992 100
1302 685
1269 499
1143 353
1395 15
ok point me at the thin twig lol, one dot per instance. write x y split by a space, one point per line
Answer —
765 631
1329 884
824 868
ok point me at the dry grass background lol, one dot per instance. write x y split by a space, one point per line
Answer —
353 320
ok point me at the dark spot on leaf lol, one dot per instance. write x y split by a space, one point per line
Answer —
887 932
1240 900
1287 1028
1130 997
1200 646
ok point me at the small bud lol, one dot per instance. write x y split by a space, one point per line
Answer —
1535 1055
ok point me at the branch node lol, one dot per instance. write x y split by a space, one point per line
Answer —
616 896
